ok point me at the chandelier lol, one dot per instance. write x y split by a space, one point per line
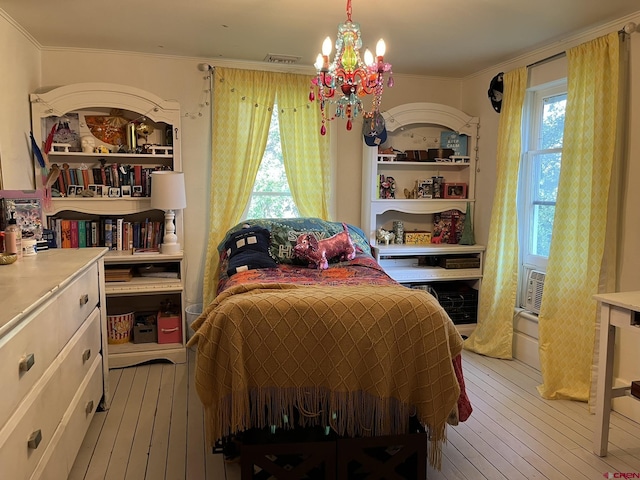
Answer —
347 79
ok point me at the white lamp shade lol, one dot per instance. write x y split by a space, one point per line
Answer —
167 190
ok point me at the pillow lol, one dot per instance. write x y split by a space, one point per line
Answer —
285 233
248 249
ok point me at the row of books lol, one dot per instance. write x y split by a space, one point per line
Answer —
113 175
113 233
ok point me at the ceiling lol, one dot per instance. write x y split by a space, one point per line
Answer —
424 37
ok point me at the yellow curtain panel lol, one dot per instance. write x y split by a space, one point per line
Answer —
241 111
493 335
304 151
567 319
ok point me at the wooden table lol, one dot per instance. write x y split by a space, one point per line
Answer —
618 310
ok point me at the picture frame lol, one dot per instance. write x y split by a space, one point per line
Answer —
455 190
425 188
125 190
74 190
137 191
114 192
105 190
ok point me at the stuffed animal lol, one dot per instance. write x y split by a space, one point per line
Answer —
319 252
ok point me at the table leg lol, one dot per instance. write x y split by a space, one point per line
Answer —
605 382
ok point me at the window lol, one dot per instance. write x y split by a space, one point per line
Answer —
271 197
540 171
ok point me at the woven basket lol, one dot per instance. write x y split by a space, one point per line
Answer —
119 328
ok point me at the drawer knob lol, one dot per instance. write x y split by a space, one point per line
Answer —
27 362
86 355
34 439
89 408
84 299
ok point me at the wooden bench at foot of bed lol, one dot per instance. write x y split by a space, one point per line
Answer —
393 457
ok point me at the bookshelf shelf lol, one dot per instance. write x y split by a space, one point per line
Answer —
76 109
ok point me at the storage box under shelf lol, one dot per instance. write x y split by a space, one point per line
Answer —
459 300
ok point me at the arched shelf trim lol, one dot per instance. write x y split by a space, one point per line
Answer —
438 114
68 98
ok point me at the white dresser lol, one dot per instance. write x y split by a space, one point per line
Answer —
52 370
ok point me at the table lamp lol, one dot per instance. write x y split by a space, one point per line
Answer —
168 194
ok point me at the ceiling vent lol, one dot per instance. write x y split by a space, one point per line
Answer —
284 59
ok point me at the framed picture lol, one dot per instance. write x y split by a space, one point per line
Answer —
455 190
425 188
114 192
126 190
73 190
137 190
27 213
105 190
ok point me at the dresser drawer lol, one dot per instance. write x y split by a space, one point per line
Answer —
41 413
25 354
80 353
61 453
25 437
76 302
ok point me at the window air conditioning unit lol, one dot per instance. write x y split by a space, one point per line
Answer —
533 292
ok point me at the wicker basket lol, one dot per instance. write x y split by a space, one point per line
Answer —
119 328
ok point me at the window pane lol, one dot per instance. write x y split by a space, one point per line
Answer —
541 231
271 196
552 127
271 176
546 173
272 206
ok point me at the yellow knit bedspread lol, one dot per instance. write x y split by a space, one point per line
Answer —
358 358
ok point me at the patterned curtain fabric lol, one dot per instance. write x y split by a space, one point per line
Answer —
567 320
305 152
241 113
493 335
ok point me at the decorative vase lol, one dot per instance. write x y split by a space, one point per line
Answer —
467 229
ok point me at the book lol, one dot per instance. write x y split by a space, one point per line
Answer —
28 215
146 251
65 233
82 234
108 233
74 234
119 233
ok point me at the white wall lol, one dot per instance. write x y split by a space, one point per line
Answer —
20 76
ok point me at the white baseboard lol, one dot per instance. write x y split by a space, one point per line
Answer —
525 349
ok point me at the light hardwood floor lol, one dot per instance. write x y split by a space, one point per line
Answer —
154 430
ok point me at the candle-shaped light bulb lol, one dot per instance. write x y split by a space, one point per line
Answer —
368 58
326 47
319 62
381 48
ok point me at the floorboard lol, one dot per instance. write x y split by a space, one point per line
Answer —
154 430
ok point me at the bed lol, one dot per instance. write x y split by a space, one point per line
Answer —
347 349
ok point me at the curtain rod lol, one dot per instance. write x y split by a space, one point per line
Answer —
629 28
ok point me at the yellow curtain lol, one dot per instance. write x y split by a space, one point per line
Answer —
493 335
241 113
567 319
305 152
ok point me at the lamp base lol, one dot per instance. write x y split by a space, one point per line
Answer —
170 248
